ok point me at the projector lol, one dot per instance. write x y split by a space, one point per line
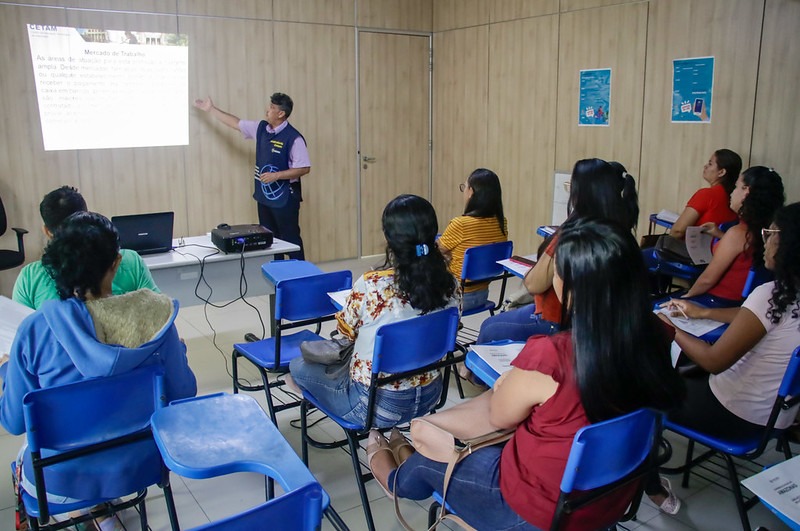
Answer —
241 238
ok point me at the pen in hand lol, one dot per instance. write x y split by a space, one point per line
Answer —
673 306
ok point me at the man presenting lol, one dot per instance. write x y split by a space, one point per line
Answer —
281 159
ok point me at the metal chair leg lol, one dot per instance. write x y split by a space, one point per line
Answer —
335 520
170 501
304 431
235 371
352 439
143 515
737 492
268 393
689 452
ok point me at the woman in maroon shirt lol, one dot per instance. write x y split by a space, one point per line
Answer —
612 358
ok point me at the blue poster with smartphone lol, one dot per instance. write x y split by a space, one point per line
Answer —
594 107
692 86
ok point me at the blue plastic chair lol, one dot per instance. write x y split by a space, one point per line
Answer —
402 349
81 433
207 448
757 276
747 446
299 302
605 457
480 266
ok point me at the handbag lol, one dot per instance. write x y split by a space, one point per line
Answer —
439 444
327 351
672 249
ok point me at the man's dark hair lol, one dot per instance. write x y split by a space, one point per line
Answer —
60 204
283 101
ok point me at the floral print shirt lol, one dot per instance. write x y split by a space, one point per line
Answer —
376 301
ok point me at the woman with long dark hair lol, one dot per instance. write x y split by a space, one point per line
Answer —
597 189
711 205
758 194
482 223
414 280
611 358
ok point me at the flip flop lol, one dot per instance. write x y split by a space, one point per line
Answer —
401 447
377 444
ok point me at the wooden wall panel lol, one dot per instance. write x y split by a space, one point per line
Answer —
460 114
453 14
249 9
673 154
503 10
613 37
523 63
776 131
319 73
575 5
338 12
239 79
27 172
139 6
409 15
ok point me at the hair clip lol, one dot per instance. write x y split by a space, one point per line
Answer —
422 249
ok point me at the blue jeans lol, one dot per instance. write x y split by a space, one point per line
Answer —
473 299
516 325
474 489
333 388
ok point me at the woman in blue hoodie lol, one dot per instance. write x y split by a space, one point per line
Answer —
89 333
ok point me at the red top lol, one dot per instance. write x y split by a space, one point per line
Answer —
713 204
547 303
534 460
731 285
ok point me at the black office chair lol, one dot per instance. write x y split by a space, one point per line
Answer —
8 258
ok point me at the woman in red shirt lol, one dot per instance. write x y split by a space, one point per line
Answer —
710 205
612 358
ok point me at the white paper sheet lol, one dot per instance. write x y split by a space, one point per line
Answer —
339 298
518 268
696 327
698 243
668 216
13 314
499 357
779 486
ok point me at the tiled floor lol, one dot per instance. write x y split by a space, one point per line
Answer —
706 507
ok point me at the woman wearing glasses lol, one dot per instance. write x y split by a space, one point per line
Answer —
482 223
747 364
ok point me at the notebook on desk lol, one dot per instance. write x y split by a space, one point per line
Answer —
145 233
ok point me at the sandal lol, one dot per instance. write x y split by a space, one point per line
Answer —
401 447
377 443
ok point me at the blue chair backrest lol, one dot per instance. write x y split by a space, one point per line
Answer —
610 450
307 297
297 510
727 225
416 342
73 415
790 385
758 275
481 262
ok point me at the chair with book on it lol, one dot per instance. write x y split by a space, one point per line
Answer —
299 303
746 447
91 441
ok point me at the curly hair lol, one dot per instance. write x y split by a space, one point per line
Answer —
765 195
81 252
410 227
787 265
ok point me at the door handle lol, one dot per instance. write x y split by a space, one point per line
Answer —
368 159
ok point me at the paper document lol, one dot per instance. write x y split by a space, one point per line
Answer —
695 327
779 486
698 243
13 314
668 216
517 267
339 298
499 357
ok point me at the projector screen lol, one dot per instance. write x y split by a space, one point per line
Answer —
110 89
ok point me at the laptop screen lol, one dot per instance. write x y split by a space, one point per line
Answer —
145 233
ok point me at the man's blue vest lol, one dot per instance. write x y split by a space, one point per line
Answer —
272 155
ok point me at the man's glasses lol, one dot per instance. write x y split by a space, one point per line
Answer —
766 233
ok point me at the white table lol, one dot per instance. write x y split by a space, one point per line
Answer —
176 273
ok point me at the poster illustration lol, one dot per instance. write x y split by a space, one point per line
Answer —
594 107
692 88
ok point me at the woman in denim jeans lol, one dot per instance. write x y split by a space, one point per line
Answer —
414 280
611 358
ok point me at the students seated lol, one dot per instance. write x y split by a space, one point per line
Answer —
711 205
597 189
90 332
610 359
482 223
746 365
758 194
34 285
414 280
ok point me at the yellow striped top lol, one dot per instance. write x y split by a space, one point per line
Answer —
464 232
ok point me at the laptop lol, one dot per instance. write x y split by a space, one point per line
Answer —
145 233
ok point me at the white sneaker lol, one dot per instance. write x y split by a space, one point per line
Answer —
672 504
